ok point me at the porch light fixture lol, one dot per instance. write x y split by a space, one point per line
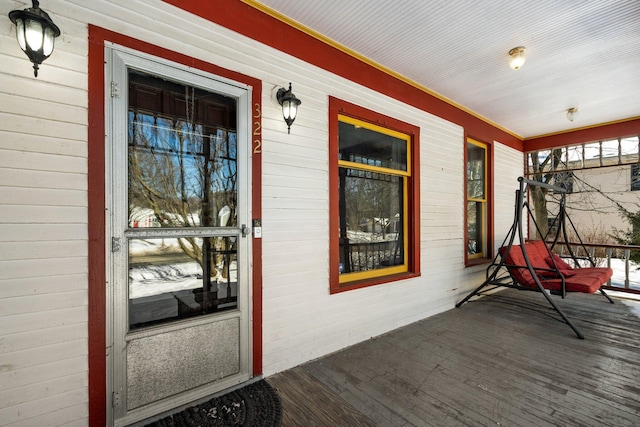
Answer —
35 32
572 114
516 57
290 104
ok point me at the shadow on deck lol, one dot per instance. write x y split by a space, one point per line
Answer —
505 359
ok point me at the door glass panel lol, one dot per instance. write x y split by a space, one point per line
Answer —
182 175
176 278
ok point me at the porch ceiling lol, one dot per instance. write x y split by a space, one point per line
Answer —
583 54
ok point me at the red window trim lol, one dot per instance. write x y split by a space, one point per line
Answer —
336 107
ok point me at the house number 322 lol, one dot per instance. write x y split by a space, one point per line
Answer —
257 130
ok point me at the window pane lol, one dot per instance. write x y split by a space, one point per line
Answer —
475 172
635 177
475 215
174 278
371 220
365 146
610 150
629 148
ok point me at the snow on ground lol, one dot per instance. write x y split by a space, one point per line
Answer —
163 276
618 273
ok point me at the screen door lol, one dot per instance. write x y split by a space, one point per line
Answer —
178 184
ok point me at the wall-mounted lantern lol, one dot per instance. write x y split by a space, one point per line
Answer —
35 32
290 104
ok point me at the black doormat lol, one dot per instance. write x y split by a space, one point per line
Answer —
256 404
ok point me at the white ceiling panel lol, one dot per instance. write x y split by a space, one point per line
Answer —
580 53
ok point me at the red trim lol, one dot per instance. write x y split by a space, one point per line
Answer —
96 232
580 136
96 205
250 22
338 106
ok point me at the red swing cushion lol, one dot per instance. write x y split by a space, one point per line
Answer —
588 280
560 263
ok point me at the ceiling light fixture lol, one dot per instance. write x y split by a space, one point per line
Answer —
517 57
572 114
36 33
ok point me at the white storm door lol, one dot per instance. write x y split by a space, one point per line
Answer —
178 185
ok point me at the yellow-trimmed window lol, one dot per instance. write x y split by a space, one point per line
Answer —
374 164
477 200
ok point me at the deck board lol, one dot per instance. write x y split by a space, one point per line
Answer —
505 359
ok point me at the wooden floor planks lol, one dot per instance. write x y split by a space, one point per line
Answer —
505 359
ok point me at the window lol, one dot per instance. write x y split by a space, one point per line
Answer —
477 215
635 177
374 197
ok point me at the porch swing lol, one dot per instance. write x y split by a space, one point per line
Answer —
532 265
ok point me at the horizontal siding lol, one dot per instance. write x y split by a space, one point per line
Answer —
42 196
20 178
45 410
41 303
53 284
43 234
40 232
509 167
41 162
27 322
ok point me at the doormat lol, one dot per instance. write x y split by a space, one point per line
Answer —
256 404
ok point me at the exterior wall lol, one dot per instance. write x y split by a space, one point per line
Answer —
593 213
505 186
43 229
43 207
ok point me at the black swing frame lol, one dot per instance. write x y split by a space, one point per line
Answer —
497 274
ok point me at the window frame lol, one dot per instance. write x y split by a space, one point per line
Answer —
352 113
634 171
487 224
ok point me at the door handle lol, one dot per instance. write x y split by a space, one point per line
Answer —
245 230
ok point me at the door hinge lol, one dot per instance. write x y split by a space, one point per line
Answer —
115 90
115 399
115 244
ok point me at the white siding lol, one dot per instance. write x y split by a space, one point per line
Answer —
509 165
43 207
43 231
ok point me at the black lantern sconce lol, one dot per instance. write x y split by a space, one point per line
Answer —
36 33
290 104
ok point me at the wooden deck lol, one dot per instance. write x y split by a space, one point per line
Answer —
502 360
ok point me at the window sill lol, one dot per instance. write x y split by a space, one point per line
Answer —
349 286
477 261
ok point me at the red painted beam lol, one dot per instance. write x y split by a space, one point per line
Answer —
581 136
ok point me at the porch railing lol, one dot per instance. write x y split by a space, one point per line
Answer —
364 256
616 257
